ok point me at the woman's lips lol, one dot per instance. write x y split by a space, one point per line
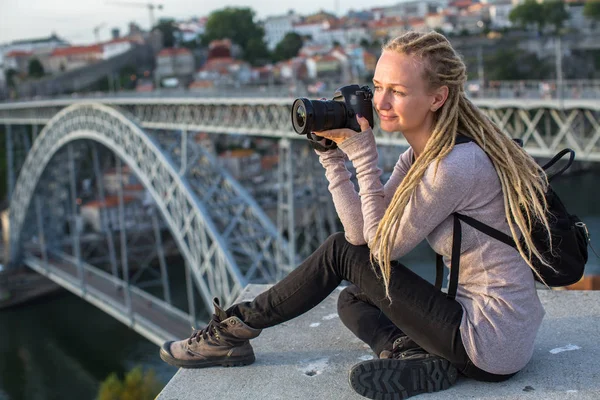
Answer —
386 117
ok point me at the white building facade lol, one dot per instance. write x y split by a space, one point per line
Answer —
277 27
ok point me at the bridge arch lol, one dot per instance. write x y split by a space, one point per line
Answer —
203 243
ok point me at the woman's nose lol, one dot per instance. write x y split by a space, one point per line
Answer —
380 102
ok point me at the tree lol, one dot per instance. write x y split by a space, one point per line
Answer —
238 25
35 69
111 388
11 78
514 64
591 9
528 13
555 13
169 31
136 386
550 12
289 47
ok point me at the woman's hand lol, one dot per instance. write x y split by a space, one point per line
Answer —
339 135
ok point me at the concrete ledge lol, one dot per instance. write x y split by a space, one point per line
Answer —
310 356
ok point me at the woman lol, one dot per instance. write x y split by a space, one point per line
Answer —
422 338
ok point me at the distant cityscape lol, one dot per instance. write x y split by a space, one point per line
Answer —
334 49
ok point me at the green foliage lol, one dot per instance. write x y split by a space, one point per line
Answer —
238 25
111 388
125 78
527 13
136 386
591 9
288 47
550 12
555 13
511 64
11 78
35 69
169 31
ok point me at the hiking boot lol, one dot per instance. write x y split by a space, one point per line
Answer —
402 373
401 345
224 342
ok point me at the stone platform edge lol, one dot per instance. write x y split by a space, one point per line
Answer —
309 358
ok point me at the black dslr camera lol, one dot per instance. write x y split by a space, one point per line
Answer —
309 116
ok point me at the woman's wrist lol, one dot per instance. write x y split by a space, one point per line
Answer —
358 143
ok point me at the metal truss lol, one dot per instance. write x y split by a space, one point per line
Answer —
196 199
305 209
546 126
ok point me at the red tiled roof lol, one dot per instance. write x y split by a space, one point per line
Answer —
73 50
218 43
18 53
171 51
237 153
219 64
385 22
109 201
416 21
202 84
325 58
461 3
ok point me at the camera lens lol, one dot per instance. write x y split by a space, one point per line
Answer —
302 113
317 115
301 116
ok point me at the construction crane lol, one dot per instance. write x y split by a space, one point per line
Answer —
150 6
97 31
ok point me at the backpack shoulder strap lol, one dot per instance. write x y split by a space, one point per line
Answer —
455 261
488 230
456 244
460 139
555 159
439 271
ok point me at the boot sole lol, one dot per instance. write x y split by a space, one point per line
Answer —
225 362
399 379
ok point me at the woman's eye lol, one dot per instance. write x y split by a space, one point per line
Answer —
399 93
377 88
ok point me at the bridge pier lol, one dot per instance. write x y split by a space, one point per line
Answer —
285 203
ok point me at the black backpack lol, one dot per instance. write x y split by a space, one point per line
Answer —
570 238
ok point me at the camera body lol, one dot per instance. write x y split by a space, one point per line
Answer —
310 116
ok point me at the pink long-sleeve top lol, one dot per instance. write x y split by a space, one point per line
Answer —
496 289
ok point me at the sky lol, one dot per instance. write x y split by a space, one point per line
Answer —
74 20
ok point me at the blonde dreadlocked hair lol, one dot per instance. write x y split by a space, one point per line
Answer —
522 179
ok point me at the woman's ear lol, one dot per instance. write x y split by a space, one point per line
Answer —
439 98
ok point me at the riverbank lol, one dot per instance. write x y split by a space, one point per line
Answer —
21 286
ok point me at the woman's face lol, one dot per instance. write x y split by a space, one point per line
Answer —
401 96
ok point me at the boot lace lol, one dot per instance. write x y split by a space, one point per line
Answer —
211 330
399 352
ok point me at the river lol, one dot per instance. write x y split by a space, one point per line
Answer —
63 348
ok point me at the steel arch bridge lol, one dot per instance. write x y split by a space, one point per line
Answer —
221 231
223 235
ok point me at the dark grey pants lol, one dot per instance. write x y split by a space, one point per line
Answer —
418 310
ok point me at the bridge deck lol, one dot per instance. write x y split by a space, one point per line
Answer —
147 315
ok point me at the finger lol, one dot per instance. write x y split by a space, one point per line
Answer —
333 133
362 122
